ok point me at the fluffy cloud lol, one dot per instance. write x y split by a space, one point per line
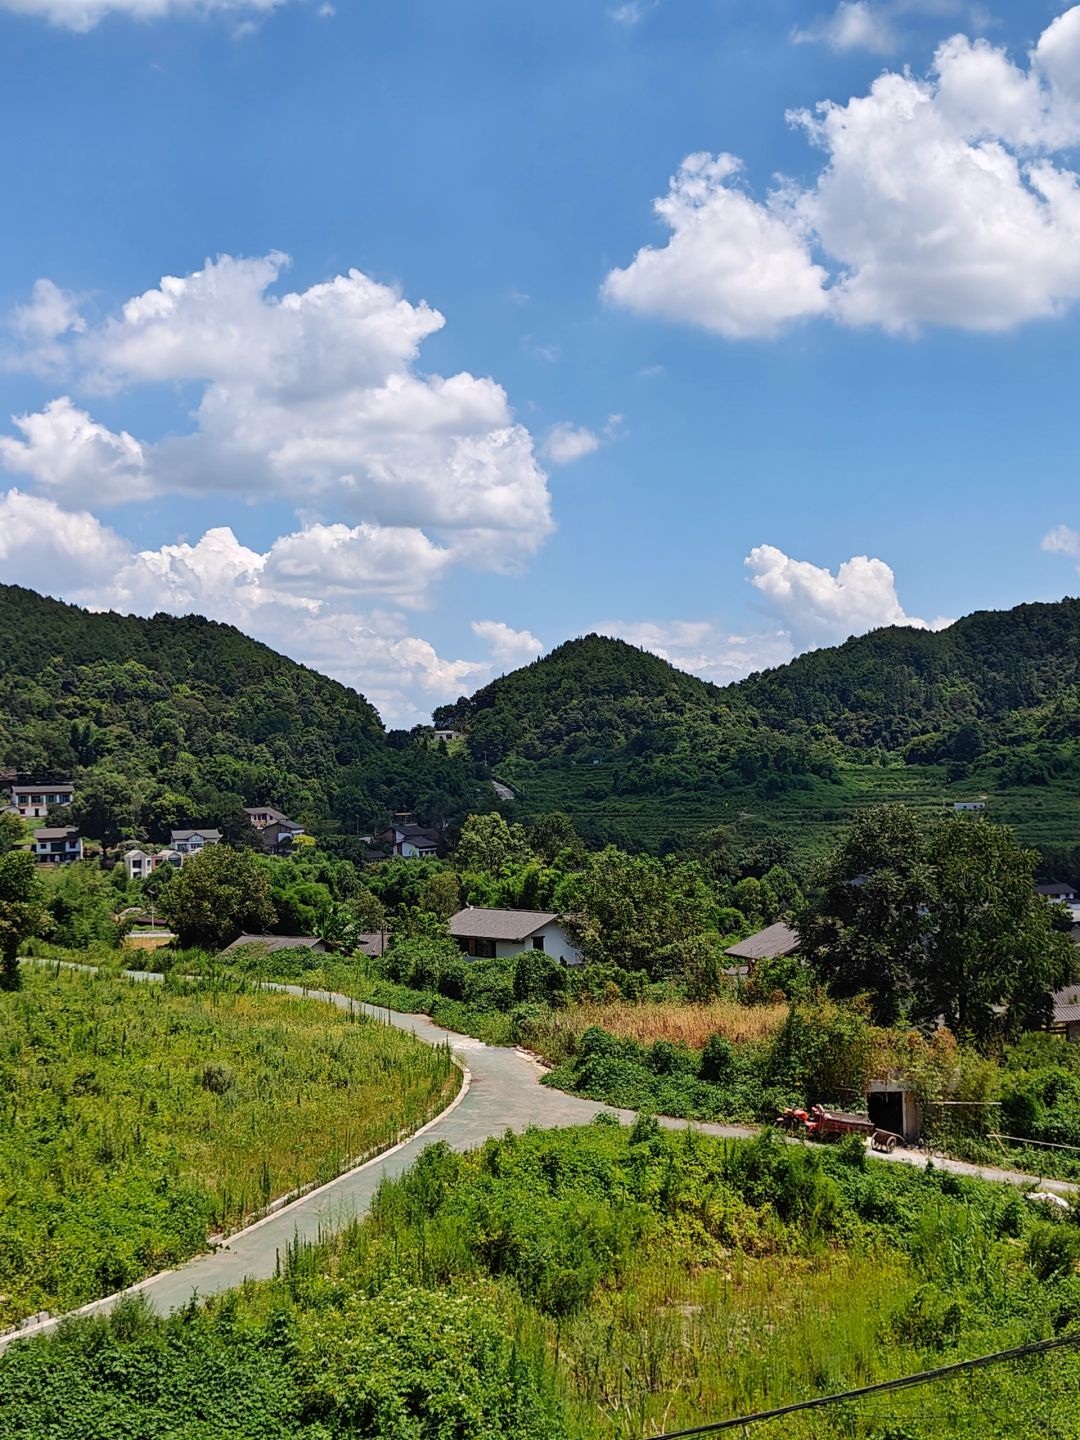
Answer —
289 597
65 452
567 443
38 326
85 14
816 607
941 201
853 25
508 647
312 397
704 647
40 543
732 265
809 605
1062 540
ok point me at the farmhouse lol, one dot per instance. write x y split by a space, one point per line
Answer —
1056 891
969 805
496 934
190 842
138 864
32 801
767 944
411 841
58 847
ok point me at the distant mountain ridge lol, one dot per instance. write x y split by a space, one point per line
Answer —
197 718
616 735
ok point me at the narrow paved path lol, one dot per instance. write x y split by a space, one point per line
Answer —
503 1093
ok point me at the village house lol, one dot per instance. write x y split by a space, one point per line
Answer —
190 842
264 816
448 735
1057 891
31 802
500 934
969 805
768 944
138 864
411 841
58 847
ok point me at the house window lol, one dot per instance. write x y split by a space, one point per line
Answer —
538 942
481 949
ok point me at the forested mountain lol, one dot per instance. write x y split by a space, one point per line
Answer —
641 751
191 720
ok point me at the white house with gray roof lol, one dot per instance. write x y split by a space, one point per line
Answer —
500 934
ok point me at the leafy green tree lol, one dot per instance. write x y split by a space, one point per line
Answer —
938 920
867 931
11 831
555 840
633 906
22 912
218 895
993 945
441 895
488 843
103 807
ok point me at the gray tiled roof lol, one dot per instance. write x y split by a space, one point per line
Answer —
1067 1005
271 943
778 939
479 924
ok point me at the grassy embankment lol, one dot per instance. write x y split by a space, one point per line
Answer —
136 1120
601 1284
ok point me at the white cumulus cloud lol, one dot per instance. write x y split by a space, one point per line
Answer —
853 25
567 443
508 646
816 607
313 397
1062 540
944 200
85 14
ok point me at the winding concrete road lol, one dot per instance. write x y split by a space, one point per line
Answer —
502 1091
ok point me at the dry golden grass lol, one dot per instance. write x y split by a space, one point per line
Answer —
690 1025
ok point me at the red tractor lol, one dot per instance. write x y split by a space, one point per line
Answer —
820 1124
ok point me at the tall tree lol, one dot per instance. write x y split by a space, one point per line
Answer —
22 912
866 933
217 896
994 954
938 921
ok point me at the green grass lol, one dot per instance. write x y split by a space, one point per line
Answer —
136 1119
601 1284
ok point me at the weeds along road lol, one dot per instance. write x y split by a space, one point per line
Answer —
501 1091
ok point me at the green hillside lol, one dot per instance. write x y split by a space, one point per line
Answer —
640 752
190 720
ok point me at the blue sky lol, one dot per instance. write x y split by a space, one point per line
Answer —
829 385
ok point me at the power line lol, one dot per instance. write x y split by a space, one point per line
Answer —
1039 1347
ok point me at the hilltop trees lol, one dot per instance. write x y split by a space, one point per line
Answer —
937 921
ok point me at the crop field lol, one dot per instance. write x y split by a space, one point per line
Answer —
136 1120
809 819
678 1024
603 1283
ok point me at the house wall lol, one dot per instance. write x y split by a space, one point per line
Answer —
556 943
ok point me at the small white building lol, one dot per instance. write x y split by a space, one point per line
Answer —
500 934
448 735
32 801
411 842
190 842
58 847
969 805
138 864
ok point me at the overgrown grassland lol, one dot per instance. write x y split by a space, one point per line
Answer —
136 1119
600 1284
